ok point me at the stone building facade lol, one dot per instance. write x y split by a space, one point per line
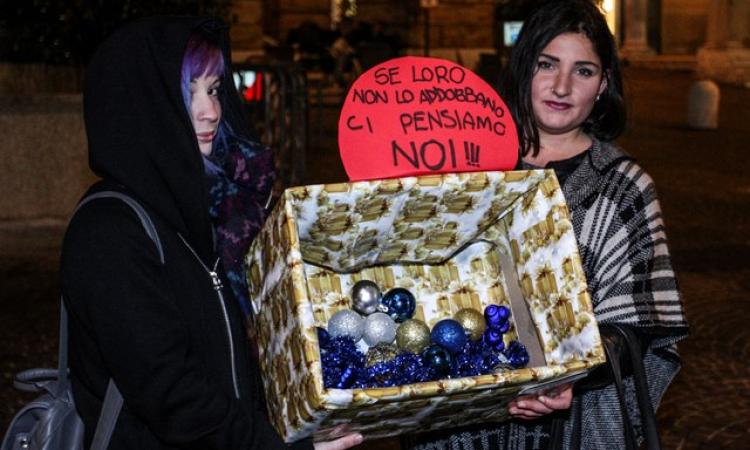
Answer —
711 36
669 26
658 32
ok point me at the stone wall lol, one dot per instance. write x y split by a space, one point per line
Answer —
43 159
397 17
291 13
454 23
458 23
246 30
683 26
31 79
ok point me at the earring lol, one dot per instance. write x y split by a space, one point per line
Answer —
597 97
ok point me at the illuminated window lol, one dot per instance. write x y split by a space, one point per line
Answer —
249 83
343 8
610 9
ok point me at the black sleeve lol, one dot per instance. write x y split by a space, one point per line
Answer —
114 281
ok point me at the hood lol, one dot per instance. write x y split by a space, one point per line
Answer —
139 131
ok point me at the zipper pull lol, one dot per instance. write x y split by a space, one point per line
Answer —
215 280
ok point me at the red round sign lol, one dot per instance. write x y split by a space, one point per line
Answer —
417 115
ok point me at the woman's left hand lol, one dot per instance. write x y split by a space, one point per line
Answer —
340 443
531 407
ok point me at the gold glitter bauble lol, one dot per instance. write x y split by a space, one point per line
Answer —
413 336
380 353
473 322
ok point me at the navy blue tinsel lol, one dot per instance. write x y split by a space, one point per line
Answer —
344 365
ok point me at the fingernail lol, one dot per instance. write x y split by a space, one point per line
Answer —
359 438
521 404
543 399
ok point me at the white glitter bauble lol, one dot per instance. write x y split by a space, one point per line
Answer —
346 323
379 329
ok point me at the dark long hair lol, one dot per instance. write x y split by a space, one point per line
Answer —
547 21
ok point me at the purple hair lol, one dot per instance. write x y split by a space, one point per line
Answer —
202 57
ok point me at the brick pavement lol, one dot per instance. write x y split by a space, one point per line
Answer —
703 179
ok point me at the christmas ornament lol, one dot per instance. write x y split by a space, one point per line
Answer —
466 364
438 359
381 353
401 304
379 375
449 334
496 315
409 368
493 338
365 297
379 328
346 323
503 363
323 337
346 378
473 322
341 362
504 327
517 355
413 336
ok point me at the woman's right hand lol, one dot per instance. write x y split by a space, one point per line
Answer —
344 442
531 407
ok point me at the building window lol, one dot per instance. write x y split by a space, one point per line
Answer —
341 9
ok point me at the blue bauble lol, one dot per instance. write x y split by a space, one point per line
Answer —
438 359
496 315
517 355
401 304
493 338
323 337
449 334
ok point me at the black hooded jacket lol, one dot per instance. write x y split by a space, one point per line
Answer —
158 330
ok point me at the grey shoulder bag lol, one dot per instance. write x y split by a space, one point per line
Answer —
50 422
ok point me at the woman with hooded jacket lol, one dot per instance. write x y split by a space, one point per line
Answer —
164 127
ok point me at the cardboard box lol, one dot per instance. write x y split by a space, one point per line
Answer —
455 241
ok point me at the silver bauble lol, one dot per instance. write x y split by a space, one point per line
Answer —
365 297
346 323
379 329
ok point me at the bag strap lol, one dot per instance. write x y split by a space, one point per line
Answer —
634 355
613 358
648 416
108 417
145 219
112 398
62 351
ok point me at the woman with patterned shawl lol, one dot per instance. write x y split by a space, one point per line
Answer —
564 88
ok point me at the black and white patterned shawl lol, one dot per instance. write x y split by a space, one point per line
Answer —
618 223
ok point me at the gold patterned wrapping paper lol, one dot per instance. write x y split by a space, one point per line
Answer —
454 240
